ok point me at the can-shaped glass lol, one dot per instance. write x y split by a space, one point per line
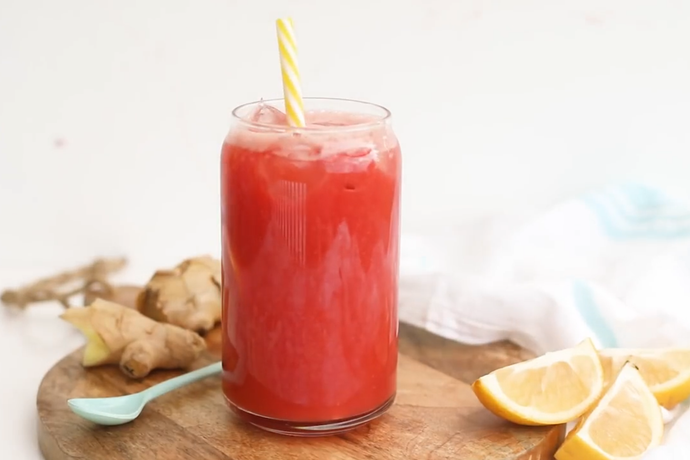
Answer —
310 221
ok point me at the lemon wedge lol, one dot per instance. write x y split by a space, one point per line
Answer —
554 388
666 370
624 425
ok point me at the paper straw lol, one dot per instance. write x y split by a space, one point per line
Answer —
292 91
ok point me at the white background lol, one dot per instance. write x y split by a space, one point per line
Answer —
112 114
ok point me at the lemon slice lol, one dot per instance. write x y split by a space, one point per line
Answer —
624 425
554 388
666 370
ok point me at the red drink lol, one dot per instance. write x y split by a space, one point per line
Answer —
310 225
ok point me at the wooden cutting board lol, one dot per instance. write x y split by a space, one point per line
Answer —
435 416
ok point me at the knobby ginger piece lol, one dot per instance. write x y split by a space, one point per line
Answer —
187 296
125 295
120 335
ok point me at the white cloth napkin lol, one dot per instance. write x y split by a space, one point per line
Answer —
613 265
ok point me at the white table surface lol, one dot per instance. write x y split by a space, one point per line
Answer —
31 342
112 114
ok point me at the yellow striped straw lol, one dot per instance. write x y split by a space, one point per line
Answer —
292 91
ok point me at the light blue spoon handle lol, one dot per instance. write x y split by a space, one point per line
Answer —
177 382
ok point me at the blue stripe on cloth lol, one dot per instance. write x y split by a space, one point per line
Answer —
646 213
589 310
648 205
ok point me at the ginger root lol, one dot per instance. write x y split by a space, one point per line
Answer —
120 335
188 296
63 286
125 295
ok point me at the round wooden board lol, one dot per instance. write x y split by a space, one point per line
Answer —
435 416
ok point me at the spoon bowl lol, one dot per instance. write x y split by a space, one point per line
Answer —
109 411
118 410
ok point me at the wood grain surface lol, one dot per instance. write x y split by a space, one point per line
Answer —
435 416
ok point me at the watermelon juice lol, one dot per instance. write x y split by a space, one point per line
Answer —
310 237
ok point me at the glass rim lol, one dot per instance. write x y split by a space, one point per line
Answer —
380 119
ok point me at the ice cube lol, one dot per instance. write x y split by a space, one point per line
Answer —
267 114
342 157
299 147
354 148
324 124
